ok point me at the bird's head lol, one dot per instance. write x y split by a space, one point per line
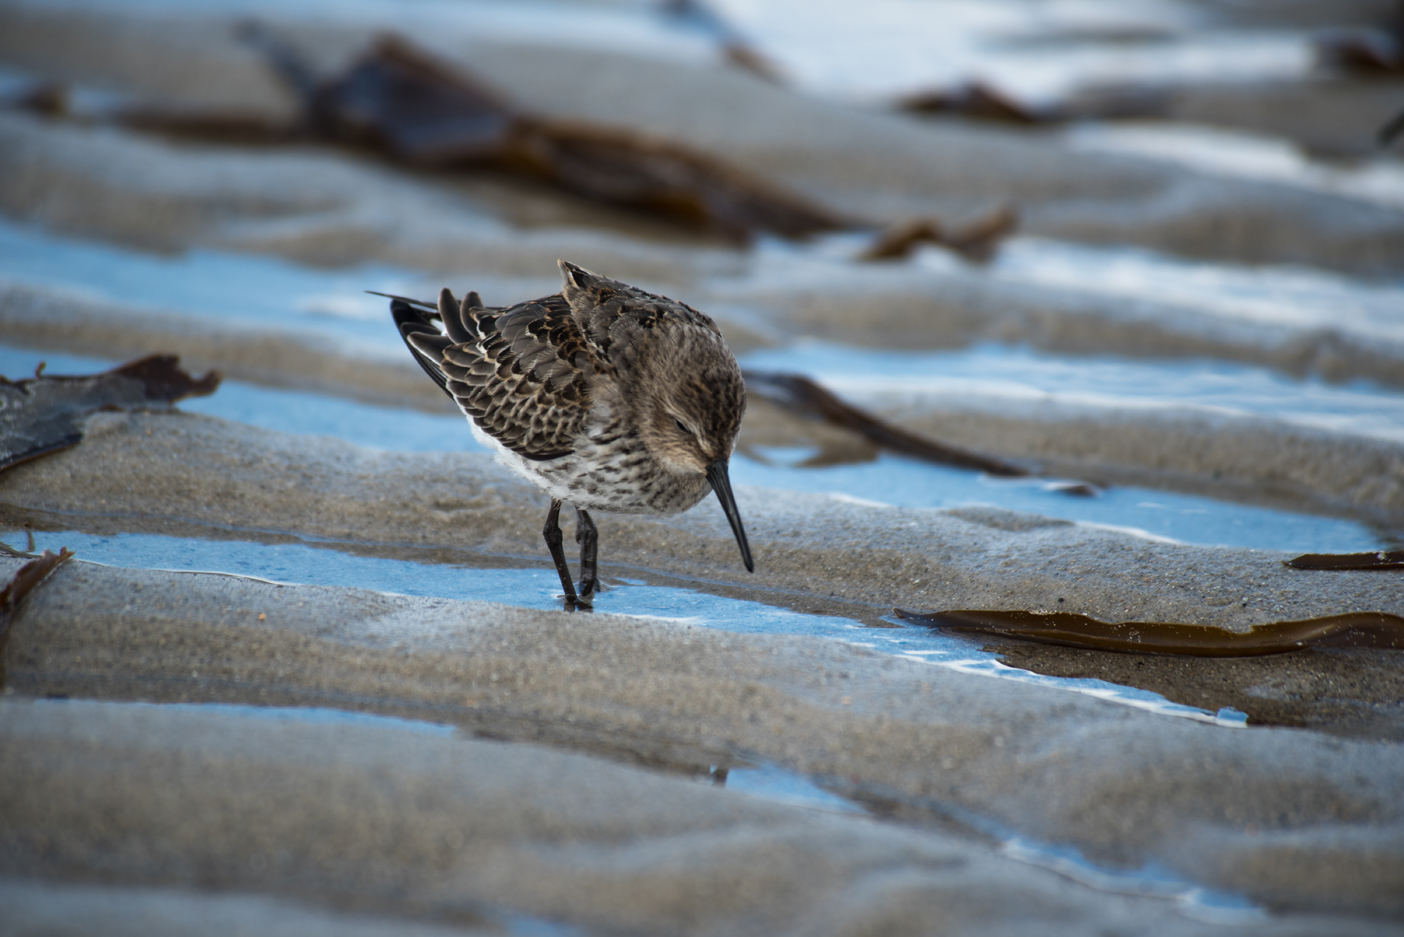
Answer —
675 374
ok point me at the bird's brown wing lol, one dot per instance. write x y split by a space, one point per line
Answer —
521 373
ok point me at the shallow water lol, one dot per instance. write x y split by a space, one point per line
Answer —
1021 377
270 292
786 787
898 482
1037 52
253 291
286 411
325 565
1195 901
320 715
893 481
1233 295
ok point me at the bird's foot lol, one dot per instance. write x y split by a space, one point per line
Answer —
578 603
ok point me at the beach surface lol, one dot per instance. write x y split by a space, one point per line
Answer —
307 672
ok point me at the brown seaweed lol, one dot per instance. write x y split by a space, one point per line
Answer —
232 128
1365 52
1074 489
24 581
54 99
975 241
735 48
400 101
45 413
799 393
1392 129
1380 559
638 171
49 98
979 101
748 58
898 241
1347 692
1352 629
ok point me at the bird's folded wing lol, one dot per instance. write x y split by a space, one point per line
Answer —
524 378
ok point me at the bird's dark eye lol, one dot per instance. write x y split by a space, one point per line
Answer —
683 427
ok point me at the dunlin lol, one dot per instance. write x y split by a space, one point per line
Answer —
602 395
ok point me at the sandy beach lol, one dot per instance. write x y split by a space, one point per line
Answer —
307 671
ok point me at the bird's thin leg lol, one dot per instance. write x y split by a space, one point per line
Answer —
552 533
589 539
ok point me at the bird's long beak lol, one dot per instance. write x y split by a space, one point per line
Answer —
721 484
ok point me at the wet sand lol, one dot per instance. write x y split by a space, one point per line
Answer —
449 831
1255 461
145 471
574 775
716 699
667 696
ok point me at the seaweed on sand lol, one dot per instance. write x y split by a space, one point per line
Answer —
1352 629
401 101
1380 559
24 581
797 393
975 241
45 414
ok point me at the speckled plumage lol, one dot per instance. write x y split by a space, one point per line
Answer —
603 395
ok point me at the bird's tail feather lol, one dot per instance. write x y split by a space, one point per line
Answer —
423 338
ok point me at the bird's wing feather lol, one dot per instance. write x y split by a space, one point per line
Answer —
522 374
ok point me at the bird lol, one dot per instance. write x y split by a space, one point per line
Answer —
605 396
